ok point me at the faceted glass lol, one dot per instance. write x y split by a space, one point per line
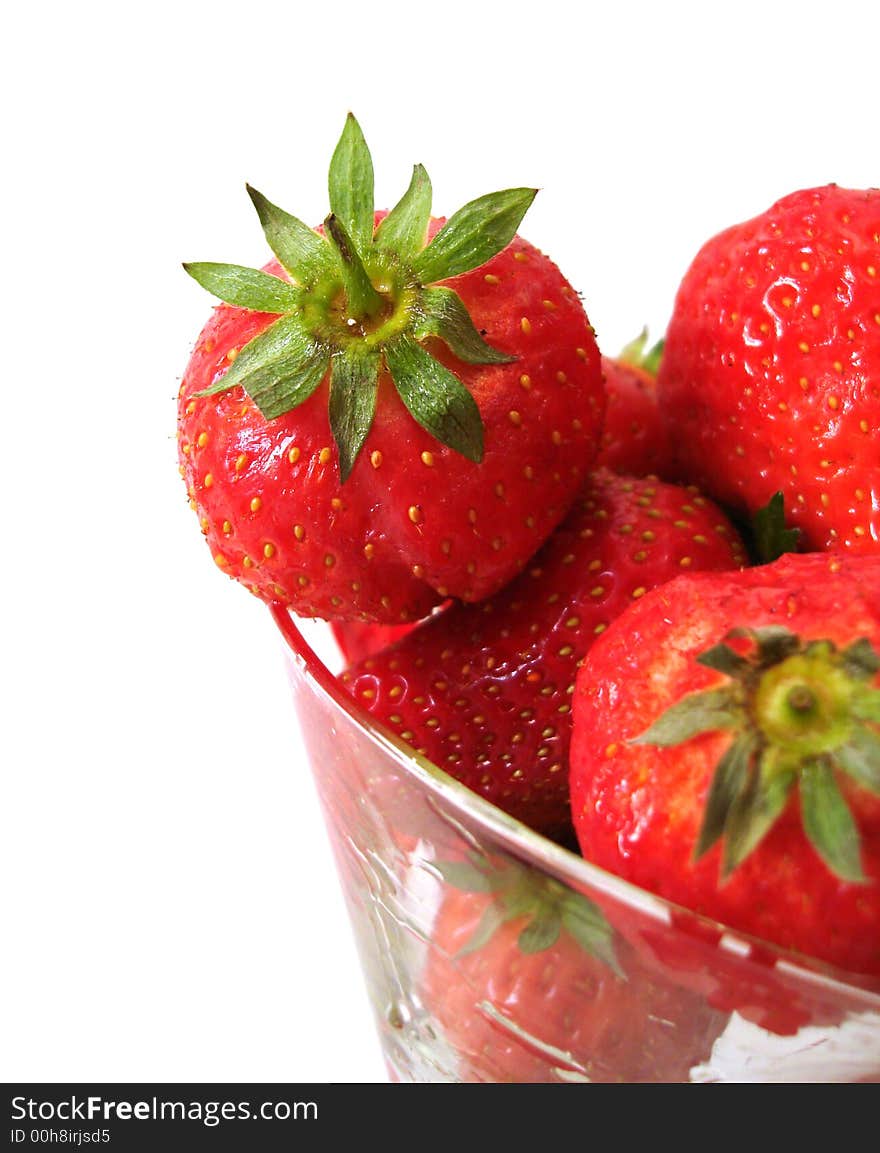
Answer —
494 955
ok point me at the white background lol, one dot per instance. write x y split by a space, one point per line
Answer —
170 910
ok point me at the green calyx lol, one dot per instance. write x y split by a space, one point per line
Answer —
802 715
638 353
361 298
548 907
769 532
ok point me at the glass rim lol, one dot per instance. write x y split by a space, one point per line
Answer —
525 843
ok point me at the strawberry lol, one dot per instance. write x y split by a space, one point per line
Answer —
484 690
358 640
396 410
770 376
635 437
529 983
726 752
635 441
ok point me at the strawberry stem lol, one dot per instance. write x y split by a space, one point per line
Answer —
801 699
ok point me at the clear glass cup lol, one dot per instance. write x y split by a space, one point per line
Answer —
492 954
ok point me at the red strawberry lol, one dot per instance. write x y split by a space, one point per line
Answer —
372 423
770 377
484 690
529 984
635 438
635 442
726 752
358 640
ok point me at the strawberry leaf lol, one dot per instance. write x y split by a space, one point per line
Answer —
828 822
520 891
358 299
753 813
637 354
774 643
801 710
350 184
435 398
404 229
354 384
474 234
860 758
302 252
446 317
541 932
866 706
468 876
860 660
724 659
729 781
246 287
770 536
491 921
278 369
583 921
708 711
283 386
653 356
362 298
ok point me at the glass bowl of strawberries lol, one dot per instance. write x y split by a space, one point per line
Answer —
494 953
586 650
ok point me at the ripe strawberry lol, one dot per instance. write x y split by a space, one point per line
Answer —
726 752
529 984
770 376
635 438
358 640
484 691
372 424
635 442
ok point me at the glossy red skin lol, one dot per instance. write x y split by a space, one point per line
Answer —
637 808
770 377
358 640
632 1028
635 438
484 690
401 534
